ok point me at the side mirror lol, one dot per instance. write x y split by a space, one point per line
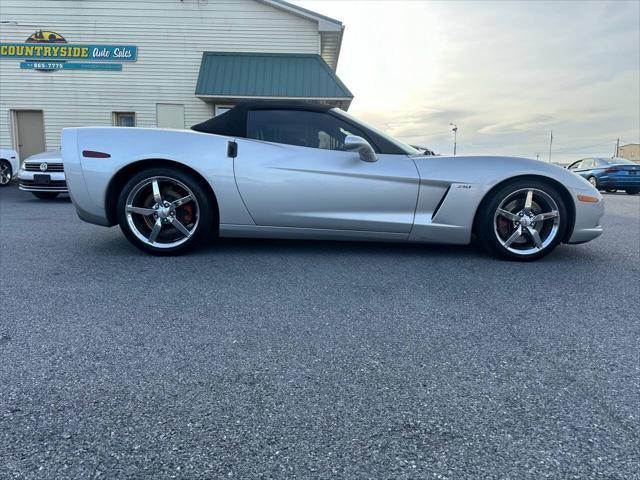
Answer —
354 143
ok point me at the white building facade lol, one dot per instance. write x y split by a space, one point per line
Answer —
138 63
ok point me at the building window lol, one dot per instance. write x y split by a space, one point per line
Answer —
124 119
220 109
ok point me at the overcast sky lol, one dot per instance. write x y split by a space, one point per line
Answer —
506 72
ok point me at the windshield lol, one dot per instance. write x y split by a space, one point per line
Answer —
409 150
618 161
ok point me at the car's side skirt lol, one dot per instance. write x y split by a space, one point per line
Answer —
259 231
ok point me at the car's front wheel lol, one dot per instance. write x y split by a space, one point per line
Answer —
593 181
164 211
6 173
522 220
46 195
632 191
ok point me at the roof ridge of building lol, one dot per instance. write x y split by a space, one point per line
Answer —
293 8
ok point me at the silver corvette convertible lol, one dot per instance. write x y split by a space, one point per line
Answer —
296 170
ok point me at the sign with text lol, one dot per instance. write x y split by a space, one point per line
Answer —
43 51
48 51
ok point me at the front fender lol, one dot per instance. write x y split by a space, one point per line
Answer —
452 188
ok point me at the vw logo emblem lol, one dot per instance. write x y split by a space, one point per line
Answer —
43 167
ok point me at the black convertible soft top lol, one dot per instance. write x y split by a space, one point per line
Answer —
233 123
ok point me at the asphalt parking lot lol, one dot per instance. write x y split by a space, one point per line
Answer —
286 359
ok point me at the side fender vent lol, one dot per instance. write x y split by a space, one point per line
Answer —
435 211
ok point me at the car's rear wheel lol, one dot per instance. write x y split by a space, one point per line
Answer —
6 173
164 211
593 181
610 190
632 191
522 220
46 195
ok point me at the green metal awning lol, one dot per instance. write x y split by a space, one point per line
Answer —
269 75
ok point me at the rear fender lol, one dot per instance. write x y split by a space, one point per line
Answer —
203 153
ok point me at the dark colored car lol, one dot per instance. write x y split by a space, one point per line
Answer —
609 174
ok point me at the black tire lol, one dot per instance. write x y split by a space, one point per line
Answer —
204 210
46 195
6 166
486 227
632 191
610 190
593 181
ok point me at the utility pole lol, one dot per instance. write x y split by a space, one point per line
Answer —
537 156
550 144
617 147
455 137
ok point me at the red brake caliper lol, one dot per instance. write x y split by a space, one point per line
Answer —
187 213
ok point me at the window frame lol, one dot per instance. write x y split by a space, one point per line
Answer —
384 142
575 165
335 118
116 116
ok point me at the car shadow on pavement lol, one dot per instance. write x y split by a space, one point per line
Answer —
62 198
420 251
323 247
118 246
252 248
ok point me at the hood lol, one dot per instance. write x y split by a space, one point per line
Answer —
51 156
493 169
7 152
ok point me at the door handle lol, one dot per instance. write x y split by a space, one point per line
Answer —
232 149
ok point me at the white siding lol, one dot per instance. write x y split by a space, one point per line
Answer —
170 36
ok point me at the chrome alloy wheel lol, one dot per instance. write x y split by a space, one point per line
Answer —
593 181
526 221
5 173
162 212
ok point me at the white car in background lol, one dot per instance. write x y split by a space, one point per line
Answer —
9 165
43 175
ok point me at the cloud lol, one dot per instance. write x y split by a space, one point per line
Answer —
532 122
505 72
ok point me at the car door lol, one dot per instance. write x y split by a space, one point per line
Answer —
294 172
